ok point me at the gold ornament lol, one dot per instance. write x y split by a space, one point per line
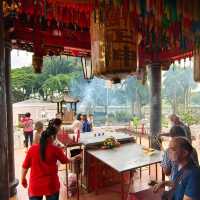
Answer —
13 8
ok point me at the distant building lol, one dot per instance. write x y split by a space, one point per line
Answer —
39 109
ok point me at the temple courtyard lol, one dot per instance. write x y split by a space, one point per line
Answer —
140 186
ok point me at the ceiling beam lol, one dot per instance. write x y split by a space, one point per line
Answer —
71 39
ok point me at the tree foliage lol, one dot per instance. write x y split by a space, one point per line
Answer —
189 118
177 86
58 72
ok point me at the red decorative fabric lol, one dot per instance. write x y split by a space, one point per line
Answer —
64 138
59 10
76 15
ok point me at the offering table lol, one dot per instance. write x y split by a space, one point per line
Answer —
120 160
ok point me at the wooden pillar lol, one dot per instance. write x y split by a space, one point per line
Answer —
4 162
155 105
12 181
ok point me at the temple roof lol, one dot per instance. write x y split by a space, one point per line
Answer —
64 97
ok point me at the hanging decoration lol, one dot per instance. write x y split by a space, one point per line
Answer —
113 43
11 9
169 30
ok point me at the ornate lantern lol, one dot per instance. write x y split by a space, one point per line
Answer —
87 68
113 43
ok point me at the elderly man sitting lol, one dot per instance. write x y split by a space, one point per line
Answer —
185 184
170 168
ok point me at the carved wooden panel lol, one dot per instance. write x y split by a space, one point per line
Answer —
113 44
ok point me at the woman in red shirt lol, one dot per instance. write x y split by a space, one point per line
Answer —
42 160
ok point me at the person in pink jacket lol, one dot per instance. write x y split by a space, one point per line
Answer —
28 129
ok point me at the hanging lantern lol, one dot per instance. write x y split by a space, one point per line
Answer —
197 65
37 62
87 68
113 43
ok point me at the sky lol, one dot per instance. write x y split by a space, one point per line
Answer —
20 58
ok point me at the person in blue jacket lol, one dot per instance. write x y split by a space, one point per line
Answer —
86 124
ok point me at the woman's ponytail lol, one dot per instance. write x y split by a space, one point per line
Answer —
49 132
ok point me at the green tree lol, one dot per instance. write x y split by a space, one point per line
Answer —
22 81
177 85
189 118
54 66
58 72
137 94
56 83
61 65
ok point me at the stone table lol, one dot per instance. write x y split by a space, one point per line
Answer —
125 158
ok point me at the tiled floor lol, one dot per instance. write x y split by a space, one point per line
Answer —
107 194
